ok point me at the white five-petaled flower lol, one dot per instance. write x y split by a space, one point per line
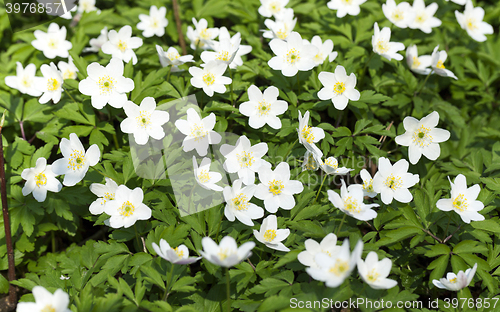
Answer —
472 21
75 162
106 85
270 8
235 41
327 246
172 58
338 87
178 255
46 301
127 207
201 37
309 135
270 235
52 43
400 14
437 63
204 176
334 269
244 158
199 132
350 201
144 121
87 6
227 253
25 80
210 78
224 50
344 7
375 272
96 43
68 69
105 192
51 84
310 162
418 64
154 23
121 44
325 50
292 55
393 181
282 27
422 137
39 180
367 183
463 200
276 188
238 203
331 165
383 46
262 108
456 282
424 16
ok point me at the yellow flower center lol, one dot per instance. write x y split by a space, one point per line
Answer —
453 280
122 45
155 23
276 187
307 134
440 64
269 235
40 179
393 182
264 108
53 43
144 119
460 203
382 46
209 79
326 252
332 162
53 84
76 160
339 268
372 276
205 34
421 18
274 7
347 1
68 74
339 88
48 308
127 209
198 132
223 56
106 85
245 159
108 196
203 176
318 57
351 205
471 24
368 185
26 82
398 15
240 202
310 163
292 56
173 55
224 253
416 63
179 253
421 136
282 33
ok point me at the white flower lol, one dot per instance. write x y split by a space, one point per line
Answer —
262 108
86 6
106 85
227 253
331 166
39 180
120 44
238 203
276 189
472 21
324 50
64 278
270 235
51 85
244 158
328 246
204 176
96 43
52 43
178 255
210 78
424 16
68 69
437 63
235 41
367 183
375 272
282 27
46 301
461 2
25 80
422 137
463 200
456 282
201 37
127 207
309 135
105 193
270 8
172 58
338 87
66 15
393 181
344 7
144 121
310 162
224 51
418 64
334 269
382 45
292 55
199 132
154 23
75 161
400 15
350 201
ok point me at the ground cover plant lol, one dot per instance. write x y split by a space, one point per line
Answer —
260 155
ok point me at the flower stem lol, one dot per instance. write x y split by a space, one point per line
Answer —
231 75
228 289
447 226
340 226
290 149
169 72
169 285
423 84
298 84
321 186
363 72
137 237
69 94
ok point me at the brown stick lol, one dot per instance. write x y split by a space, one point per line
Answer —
179 27
6 222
